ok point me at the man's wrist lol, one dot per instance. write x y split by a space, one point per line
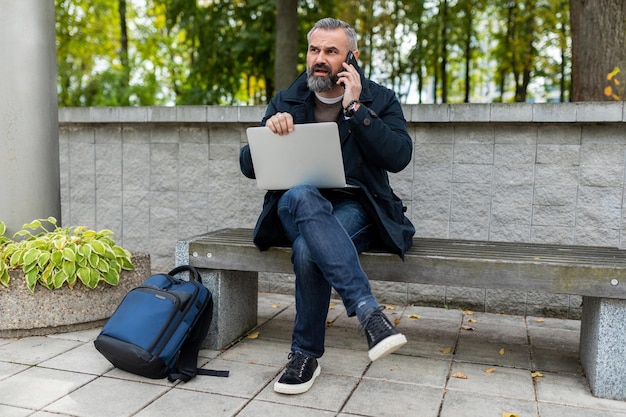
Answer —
351 108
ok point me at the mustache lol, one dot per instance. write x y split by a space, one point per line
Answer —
321 66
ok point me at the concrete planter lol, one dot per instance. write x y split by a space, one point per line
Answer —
45 312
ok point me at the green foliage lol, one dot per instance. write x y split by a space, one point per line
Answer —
59 256
222 52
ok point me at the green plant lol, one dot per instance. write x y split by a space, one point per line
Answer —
57 256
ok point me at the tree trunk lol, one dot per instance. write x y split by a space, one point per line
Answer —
124 88
286 59
444 52
598 46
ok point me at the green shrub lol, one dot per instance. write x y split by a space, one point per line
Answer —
55 256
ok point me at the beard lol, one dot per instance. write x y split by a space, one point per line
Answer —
322 83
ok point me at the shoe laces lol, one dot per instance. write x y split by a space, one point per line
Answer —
375 322
297 362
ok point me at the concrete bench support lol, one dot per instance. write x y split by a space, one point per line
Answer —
603 346
229 263
235 296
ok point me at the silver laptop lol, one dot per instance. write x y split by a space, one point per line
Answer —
311 154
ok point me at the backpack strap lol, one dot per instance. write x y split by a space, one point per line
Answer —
193 276
187 364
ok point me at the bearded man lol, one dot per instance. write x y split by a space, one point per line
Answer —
328 228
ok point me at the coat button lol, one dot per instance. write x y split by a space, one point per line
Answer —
367 122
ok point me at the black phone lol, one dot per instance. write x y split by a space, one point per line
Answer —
350 59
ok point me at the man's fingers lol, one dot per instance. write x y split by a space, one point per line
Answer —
280 123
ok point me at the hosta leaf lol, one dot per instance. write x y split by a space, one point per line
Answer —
4 275
103 266
15 259
47 273
89 234
120 251
115 266
108 253
36 224
31 256
31 280
94 277
127 264
59 278
69 268
98 247
85 250
57 258
93 260
84 274
111 277
44 257
68 254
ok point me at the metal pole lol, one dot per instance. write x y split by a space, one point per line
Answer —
29 138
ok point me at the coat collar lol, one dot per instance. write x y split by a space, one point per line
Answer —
298 92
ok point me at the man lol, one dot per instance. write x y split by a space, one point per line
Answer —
328 228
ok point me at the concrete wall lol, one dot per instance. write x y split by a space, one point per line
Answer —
552 173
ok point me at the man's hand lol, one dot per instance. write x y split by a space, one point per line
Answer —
351 81
280 123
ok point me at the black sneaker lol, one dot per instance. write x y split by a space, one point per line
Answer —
299 376
382 337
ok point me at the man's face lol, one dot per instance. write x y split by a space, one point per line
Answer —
327 50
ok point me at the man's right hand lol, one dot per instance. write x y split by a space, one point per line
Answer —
280 123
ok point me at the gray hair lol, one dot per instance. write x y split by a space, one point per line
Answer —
329 23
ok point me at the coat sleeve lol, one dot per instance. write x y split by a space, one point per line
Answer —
245 159
381 132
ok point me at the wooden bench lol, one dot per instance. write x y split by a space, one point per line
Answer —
229 263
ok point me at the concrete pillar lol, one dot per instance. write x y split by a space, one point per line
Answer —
29 138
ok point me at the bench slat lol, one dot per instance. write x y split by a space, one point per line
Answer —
548 268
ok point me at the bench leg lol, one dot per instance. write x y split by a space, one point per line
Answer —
235 305
603 346
235 300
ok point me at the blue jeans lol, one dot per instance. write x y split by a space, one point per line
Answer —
326 234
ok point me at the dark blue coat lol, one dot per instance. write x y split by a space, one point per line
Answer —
374 141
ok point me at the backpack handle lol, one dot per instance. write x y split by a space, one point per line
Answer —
193 276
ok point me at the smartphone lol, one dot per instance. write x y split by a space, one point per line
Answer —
350 59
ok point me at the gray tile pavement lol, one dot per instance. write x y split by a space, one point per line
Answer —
455 364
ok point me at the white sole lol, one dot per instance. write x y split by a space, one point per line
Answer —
297 388
386 346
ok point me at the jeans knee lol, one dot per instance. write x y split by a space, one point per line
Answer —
299 193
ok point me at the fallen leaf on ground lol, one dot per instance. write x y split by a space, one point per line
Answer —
414 316
464 327
390 307
509 415
275 305
489 370
445 351
501 351
540 320
459 375
536 374
396 321
329 323
471 320
253 335
331 306
468 312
